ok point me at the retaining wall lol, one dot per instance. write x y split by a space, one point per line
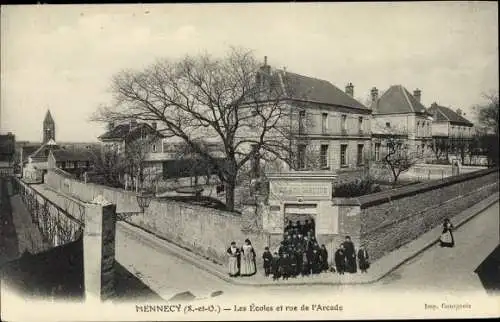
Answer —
390 219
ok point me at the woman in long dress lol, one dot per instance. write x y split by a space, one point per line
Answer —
446 239
233 253
248 267
363 259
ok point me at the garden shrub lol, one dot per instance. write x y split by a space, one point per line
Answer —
356 188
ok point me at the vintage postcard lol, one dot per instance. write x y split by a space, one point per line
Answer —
278 161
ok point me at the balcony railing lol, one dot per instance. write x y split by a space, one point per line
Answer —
56 225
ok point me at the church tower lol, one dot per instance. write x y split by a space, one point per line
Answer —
49 128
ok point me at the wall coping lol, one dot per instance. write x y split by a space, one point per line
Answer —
394 194
303 175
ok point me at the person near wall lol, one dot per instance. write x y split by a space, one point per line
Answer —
446 239
324 258
363 259
234 254
267 258
248 267
340 259
350 255
276 266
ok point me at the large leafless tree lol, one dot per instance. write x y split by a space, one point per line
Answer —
398 158
229 100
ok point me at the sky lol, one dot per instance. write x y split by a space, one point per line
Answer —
62 57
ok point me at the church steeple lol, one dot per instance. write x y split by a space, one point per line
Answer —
49 128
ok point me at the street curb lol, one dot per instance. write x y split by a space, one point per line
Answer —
204 264
482 205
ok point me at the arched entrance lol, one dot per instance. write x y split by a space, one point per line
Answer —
300 219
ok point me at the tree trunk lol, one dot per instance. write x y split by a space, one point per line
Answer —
230 189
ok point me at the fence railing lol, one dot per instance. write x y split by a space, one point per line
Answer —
56 225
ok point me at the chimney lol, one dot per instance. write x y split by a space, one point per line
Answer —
349 89
153 125
374 94
417 94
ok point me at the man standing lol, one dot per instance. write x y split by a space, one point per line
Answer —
267 257
350 255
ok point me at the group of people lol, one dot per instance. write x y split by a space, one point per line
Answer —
241 259
345 258
299 253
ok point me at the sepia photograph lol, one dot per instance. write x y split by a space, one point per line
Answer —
249 161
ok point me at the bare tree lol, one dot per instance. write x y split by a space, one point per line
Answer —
200 98
109 168
135 155
398 157
440 146
487 115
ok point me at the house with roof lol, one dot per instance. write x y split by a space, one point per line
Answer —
75 161
448 123
329 129
398 113
145 138
7 153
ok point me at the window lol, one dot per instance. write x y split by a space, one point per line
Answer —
423 148
360 124
343 155
82 164
360 154
301 156
387 124
377 151
70 164
342 124
324 122
323 156
154 147
418 128
302 116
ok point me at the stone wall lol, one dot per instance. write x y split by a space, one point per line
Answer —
204 231
420 172
392 218
125 201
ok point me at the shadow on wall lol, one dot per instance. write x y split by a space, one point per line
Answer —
129 288
9 242
489 272
56 273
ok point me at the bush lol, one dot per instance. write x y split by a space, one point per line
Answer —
356 188
439 161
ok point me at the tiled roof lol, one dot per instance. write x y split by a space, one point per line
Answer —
40 154
397 100
306 88
72 155
445 114
122 131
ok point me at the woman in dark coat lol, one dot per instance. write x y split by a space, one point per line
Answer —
340 259
350 255
324 258
446 239
363 259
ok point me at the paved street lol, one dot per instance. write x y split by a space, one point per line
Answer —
445 269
